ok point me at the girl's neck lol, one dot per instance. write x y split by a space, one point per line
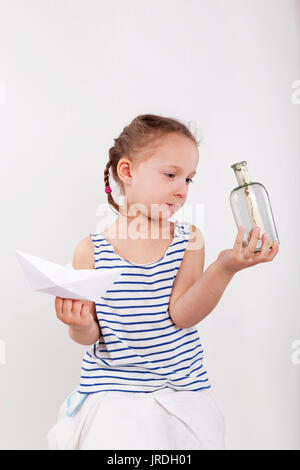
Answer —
142 227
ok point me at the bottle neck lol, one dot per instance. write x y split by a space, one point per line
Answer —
242 175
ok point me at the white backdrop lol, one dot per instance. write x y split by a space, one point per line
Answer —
72 75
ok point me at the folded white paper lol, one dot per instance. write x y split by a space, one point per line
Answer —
65 281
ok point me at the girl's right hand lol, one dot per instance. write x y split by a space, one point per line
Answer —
73 312
241 257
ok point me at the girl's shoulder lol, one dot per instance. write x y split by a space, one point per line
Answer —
83 257
196 238
193 233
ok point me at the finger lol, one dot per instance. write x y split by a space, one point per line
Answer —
76 308
255 234
58 306
67 306
273 252
268 253
265 247
72 315
85 314
239 239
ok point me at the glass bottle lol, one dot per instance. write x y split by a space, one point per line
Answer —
251 207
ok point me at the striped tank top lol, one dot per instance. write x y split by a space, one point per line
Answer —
140 349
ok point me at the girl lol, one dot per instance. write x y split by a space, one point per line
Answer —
143 384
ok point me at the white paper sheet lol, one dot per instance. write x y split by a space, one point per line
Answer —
65 281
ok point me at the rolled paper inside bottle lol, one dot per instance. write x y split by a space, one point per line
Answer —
254 213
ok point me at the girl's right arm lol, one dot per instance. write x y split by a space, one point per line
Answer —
80 315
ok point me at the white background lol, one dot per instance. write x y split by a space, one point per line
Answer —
74 73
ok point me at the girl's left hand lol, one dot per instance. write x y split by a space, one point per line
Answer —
240 257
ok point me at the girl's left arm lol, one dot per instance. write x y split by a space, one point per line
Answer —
202 297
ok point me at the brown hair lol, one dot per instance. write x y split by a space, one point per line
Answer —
134 140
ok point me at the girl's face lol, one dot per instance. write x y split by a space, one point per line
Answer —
162 179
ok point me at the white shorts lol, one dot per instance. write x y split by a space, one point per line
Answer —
164 419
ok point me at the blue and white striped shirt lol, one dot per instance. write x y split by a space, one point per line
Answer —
140 349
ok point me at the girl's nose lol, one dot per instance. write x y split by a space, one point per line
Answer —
181 191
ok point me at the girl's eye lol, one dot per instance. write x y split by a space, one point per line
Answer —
170 174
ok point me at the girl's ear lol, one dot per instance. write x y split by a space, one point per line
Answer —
124 169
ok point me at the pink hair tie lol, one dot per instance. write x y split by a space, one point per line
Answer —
107 189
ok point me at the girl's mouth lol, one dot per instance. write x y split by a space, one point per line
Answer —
173 207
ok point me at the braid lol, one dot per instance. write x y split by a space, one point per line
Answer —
111 200
106 173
